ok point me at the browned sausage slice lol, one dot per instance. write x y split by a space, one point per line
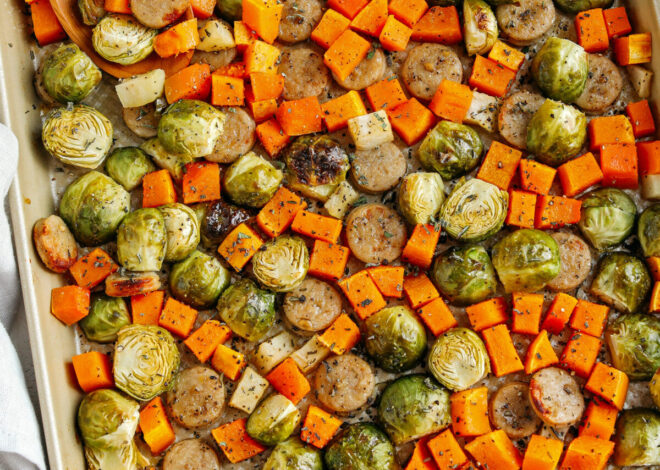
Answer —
515 114
304 72
191 454
556 397
312 306
142 121
127 283
368 72
344 383
604 84
427 65
215 60
511 411
55 243
575 259
198 398
158 13
299 18
375 233
237 138
526 21
378 169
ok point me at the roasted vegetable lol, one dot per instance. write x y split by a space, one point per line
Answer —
190 127
361 446
128 165
69 75
634 343
198 280
420 196
141 90
91 11
107 315
458 359
273 420
576 6
281 264
215 35
480 26
122 39
622 281
251 180
218 219
292 453
607 217
560 69
173 162
648 231
451 149
182 229
231 10
637 438
654 388
248 310
142 240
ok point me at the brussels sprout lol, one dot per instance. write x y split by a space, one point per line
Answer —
459 359
273 420
251 180
198 280
622 281
91 11
107 315
142 240
474 211
173 162
248 310
182 228
634 343
465 275
648 231
361 446
122 39
420 197
560 69
607 218
93 206
69 75
79 136
190 127
218 219
315 166
480 27
413 406
231 10
637 438
281 264
107 422
128 165
576 6
292 453
654 388
451 149
146 361
556 132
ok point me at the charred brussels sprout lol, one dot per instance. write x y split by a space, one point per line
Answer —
560 69
128 165
107 315
273 420
474 211
173 162
198 280
526 260
123 39
607 218
395 338
182 229
292 453
413 406
480 27
93 206
556 132
637 438
451 149
146 361
576 6
231 10
654 388
361 446
69 75
459 359
634 343
420 197
251 180
218 219
281 264
648 231
465 275
190 127
248 310
622 281
79 136
91 11
315 166
142 240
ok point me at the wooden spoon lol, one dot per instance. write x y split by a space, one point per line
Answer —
81 34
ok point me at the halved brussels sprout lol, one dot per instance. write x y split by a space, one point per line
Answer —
293 454
634 343
451 149
218 219
576 6
465 275
556 132
146 361
128 165
190 127
173 162
361 446
248 310
607 217
413 406
273 420
560 69
251 180
231 10
474 211
91 11
93 206
459 359
420 197
395 338
281 264
654 388
622 281
79 135
637 438
182 229
315 166
480 27
648 231
123 39
69 75
198 280
142 240
107 315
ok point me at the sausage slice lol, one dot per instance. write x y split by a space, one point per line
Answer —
556 397
191 454
55 243
511 411
604 84
375 233
426 66
344 383
368 72
198 398
299 18
526 20
304 72
515 114
378 169
158 14
237 138
575 259
214 59
312 306
142 121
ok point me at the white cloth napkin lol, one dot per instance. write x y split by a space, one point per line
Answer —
20 436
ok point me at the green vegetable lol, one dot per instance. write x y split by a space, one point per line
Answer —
198 280
576 6
273 420
218 219
69 75
293 454
420 197
634 343
91 11
607 217
128 165
247 310
281 264
173 162
622 281
451 149
142 240
251 180
654 388
465 275
413 406
480 26
231 10
637 438
560 69
122 39
458 359
182 229
648 231
361 446
107 315
190 127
